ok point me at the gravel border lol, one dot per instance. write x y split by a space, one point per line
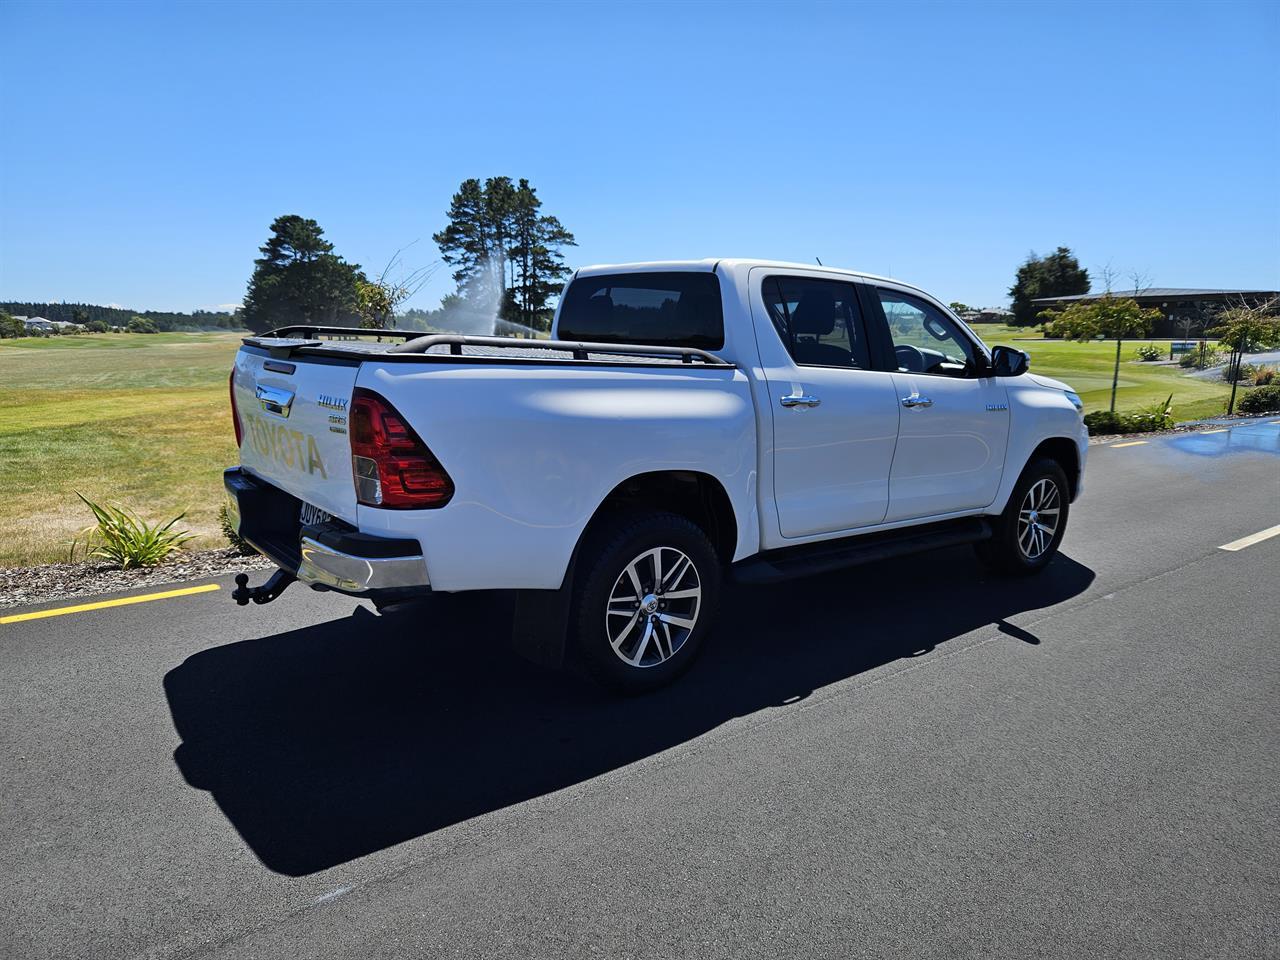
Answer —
1193 426
21 586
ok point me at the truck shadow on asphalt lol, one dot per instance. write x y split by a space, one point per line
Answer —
338 740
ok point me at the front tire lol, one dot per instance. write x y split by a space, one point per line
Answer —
1027 534
646 602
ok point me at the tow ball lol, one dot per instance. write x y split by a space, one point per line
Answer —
274 586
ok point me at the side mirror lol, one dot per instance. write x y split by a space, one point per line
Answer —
1008 362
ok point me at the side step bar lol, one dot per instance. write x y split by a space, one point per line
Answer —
827 555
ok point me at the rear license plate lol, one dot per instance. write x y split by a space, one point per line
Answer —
309 515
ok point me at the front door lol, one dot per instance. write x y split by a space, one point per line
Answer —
835 420
954 426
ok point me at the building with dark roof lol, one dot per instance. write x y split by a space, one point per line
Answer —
1186 312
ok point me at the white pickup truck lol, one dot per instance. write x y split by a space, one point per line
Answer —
687 421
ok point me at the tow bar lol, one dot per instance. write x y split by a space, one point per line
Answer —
274 586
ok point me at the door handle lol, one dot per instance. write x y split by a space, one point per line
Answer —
275 400
917 401
804 401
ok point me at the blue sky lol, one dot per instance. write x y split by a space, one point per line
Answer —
148 147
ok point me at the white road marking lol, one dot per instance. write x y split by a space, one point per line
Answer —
1253 538
1223 430
332 895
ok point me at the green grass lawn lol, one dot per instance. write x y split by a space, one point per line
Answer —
139 420
142 421
1088 366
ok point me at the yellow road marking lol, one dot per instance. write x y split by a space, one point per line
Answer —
1130 443
103 604
1253 538
1223 430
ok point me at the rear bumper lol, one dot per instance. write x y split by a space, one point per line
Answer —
327 556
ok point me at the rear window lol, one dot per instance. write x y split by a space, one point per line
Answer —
668 309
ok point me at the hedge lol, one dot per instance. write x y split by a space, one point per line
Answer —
1260 400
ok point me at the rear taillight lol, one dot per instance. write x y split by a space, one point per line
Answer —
392 466
235 413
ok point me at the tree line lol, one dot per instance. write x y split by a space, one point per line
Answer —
90 313
506 253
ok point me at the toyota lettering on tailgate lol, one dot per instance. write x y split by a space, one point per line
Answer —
292 449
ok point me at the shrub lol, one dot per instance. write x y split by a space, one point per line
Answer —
141 325
1103 421
1212 357
1264 377
238 543
1260 400
1148 352
1158 416
1238 372
11 328
121 537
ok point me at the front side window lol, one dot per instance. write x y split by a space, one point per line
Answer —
926 340
818 320
676 309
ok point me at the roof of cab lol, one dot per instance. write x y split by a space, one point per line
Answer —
726 263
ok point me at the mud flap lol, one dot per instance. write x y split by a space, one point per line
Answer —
540 624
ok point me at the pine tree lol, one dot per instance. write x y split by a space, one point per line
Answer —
476 240
538 263
299 279
1057 275
504 252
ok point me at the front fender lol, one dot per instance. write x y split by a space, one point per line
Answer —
1037 414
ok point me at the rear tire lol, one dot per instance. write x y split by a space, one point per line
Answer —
645 601
1027 534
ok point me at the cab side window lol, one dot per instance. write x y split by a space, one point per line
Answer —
818 320
926 340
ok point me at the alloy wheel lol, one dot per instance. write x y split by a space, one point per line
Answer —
653 607
1038 518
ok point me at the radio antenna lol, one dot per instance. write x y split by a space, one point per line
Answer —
819 259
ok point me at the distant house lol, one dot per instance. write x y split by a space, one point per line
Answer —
994 315
1184 311
41 325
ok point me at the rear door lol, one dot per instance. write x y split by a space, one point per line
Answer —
293 420
835 420
954 426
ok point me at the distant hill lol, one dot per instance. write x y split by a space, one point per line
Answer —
119 316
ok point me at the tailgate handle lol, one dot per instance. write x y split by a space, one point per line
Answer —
274 400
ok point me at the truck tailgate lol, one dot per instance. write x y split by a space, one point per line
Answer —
293 419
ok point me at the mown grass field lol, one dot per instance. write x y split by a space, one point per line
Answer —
142 421
139 420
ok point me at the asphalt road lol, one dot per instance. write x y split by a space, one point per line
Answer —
907 760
